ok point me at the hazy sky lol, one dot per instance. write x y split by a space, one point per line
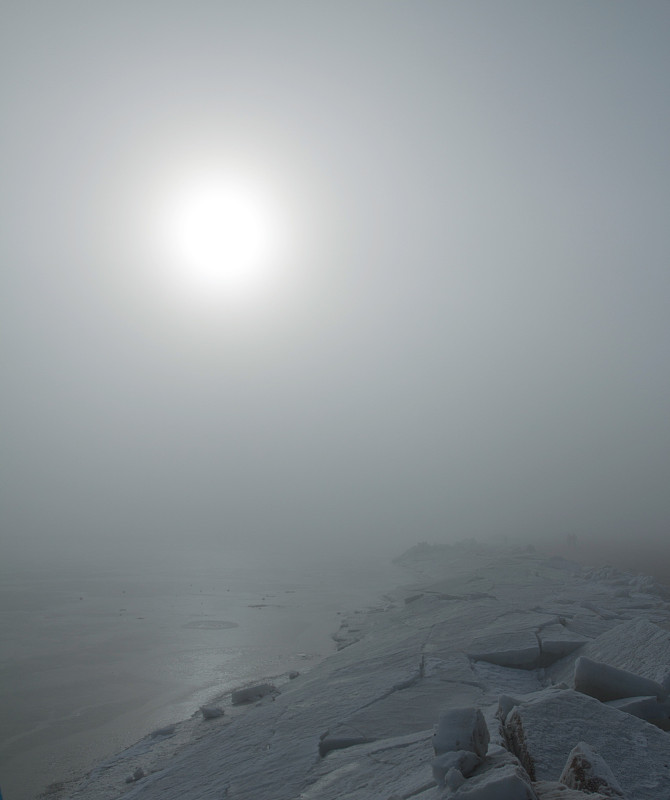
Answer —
467 332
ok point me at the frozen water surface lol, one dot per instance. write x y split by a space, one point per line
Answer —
91 661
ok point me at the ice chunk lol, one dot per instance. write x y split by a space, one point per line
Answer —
211 712
505 704
647 650
250 694
328 743
461 729
609 683
136 776
166 730
543 731
462 761
587 771
499 778
647 708
556 642
518 649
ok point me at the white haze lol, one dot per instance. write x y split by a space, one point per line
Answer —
471 337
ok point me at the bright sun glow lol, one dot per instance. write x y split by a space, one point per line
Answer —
219 236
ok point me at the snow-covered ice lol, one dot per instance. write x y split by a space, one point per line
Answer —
480 663
461 729
588 771
606 682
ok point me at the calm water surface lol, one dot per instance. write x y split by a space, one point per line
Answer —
93 659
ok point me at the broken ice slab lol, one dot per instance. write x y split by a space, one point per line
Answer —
605 682
543 731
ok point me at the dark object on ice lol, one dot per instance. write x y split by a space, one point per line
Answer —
329 743
250 694
210 624
412 598
211 712
167 730
136 776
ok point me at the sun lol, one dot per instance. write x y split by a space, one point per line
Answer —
219 236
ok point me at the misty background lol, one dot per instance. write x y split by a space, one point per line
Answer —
471 336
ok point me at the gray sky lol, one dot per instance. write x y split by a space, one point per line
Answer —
469 331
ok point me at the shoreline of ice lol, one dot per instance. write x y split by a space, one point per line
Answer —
510 634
